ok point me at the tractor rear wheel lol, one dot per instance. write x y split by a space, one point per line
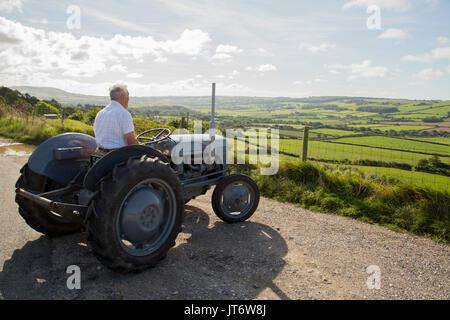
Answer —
38 217
137 215
235 198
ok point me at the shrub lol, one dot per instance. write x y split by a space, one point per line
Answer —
42 108
398 206
79 115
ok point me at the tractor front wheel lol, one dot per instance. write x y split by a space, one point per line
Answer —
235 198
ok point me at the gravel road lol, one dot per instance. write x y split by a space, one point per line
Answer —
282 252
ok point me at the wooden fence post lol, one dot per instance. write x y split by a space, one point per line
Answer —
305 143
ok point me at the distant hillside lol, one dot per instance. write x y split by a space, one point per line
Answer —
64 97
199 102
47 93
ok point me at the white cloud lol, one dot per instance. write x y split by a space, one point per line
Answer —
436 54
26 50
416 83
225 48
161 60
323 47
10 5
308 82
39 21
224 52
118 68
448 69
262 68
232 74
263 52
135 75
443 40
399 5
428 74
394 34
361 70
191 42
222 56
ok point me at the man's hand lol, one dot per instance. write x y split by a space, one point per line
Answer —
130 139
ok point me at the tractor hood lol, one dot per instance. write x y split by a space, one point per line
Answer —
195 144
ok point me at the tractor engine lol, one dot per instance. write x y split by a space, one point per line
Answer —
193 167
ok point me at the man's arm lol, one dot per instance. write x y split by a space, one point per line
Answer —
130 139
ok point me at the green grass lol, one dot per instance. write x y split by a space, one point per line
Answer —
384 127
420 210
435 139
334 151
37 131
334 132
388 142
409 177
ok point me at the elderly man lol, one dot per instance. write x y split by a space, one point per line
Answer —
113 125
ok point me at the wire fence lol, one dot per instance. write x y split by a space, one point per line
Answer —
411 160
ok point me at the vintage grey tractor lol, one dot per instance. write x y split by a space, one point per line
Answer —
130 200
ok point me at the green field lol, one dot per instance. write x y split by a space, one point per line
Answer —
436 139
343 129
394 143
382 127
333 132
334 151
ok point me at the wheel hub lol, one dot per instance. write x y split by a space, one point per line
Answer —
235 198
142 215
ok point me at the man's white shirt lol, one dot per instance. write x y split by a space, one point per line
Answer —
111 124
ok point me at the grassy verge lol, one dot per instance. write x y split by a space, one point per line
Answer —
37 131
419 210
34 132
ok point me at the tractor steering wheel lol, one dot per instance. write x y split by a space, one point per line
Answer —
163 133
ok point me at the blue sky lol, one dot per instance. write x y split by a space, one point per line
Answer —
253 48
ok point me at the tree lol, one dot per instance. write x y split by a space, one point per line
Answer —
11 97
2 110
23 107
45 108
435 162
66 111
79 115
92 113
54 103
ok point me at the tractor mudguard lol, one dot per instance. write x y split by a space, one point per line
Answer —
62 157
105 164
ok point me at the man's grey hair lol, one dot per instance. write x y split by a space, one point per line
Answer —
117 90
